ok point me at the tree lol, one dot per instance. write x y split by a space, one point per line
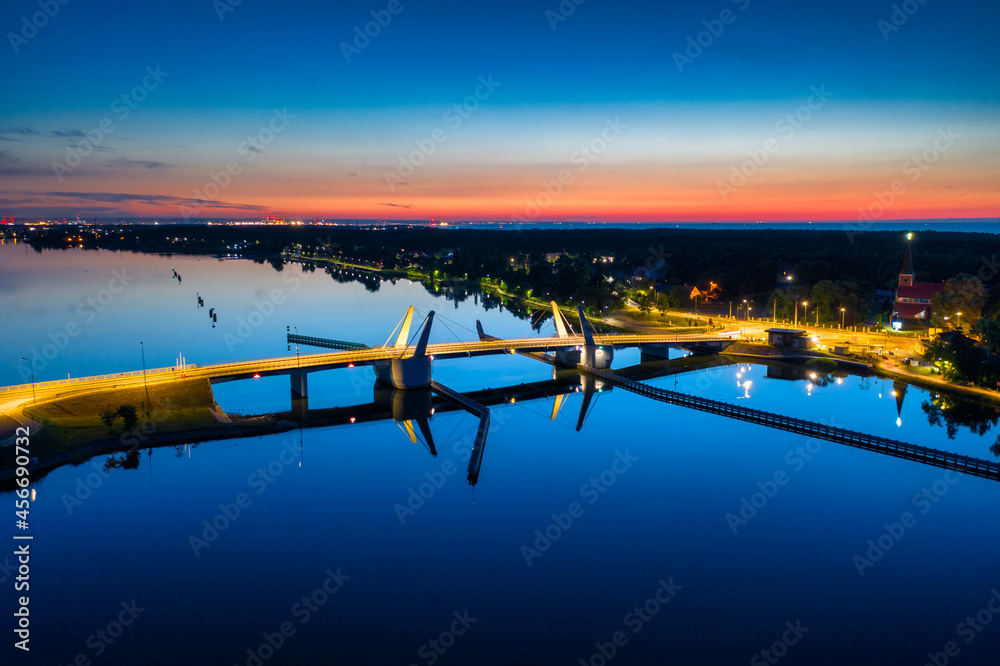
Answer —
989 330
679 297
108 418
643 298
128 414
963 293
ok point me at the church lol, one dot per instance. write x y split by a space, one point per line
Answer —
913 299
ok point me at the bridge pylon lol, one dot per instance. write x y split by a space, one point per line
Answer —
563 329
592 354
408 370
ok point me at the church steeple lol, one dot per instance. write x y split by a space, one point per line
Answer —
906 272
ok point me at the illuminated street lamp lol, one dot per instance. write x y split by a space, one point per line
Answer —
805 313
959 319
144 385
842 313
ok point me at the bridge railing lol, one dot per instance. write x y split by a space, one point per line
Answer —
78 380
936 457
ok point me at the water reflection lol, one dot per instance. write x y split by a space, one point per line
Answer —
954 413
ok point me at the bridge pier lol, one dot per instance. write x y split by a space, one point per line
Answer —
600 357
592 354
405 373
300 395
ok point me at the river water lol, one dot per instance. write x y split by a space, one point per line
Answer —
651 534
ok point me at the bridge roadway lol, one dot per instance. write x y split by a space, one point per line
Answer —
294 363
928 456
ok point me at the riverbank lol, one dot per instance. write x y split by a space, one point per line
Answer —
888 369
76 428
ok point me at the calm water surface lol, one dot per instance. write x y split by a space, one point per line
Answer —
568 538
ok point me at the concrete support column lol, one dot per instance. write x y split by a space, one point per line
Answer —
405 373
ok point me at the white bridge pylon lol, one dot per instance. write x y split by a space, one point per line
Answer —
413 371
404 333
563 329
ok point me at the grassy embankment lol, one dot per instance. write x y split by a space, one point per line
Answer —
74 422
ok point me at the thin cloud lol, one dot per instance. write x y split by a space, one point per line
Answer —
150 199
397 205
145 164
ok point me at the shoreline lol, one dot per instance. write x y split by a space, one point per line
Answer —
154 440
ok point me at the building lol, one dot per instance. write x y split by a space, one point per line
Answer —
787 337
913 299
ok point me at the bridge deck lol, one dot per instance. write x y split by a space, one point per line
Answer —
339 359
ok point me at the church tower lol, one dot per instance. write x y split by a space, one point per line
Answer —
906 272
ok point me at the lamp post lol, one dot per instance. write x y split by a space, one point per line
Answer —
959 320
843 312
143 350
32 366
805 313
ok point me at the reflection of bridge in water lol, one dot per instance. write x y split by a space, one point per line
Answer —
586 359
413 409
406 369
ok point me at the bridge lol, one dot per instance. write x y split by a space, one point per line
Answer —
922 454
405 366
400 364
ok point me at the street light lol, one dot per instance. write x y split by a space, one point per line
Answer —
959 319
842 313
144 385
805 313
32 365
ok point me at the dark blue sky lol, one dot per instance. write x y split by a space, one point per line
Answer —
616 56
